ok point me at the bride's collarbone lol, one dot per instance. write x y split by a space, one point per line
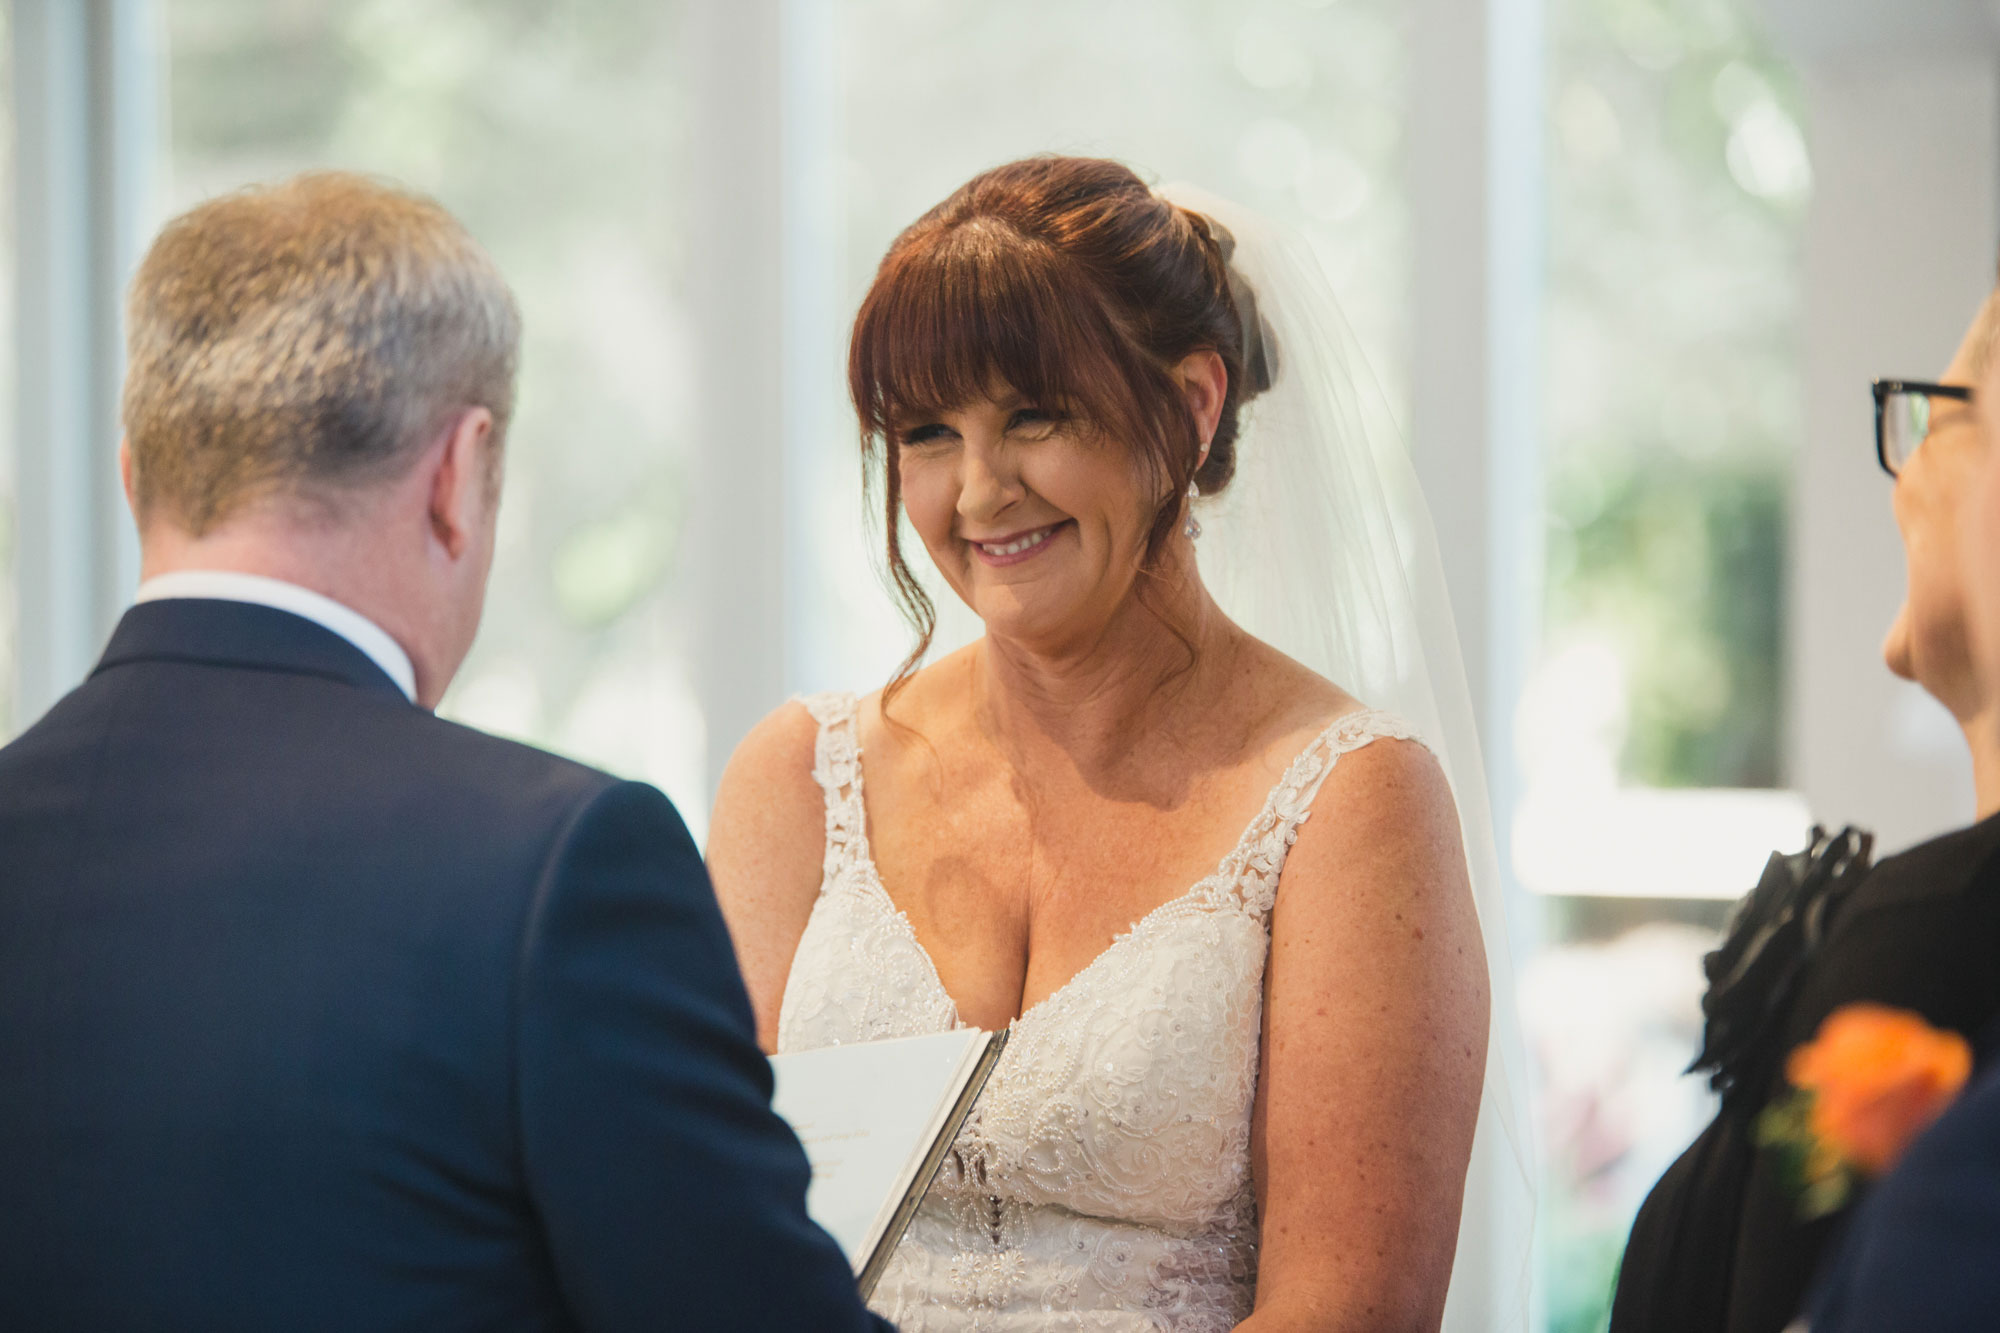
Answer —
1019 860
1155 790
1003 877
947 810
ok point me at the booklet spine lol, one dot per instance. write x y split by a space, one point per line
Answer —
899 1221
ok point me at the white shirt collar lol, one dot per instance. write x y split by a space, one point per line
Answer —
227 586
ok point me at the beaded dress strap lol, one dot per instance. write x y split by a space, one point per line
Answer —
1260 858
837 770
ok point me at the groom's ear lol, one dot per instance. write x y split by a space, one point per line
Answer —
125 478
464 483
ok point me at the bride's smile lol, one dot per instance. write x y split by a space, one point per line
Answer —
999 551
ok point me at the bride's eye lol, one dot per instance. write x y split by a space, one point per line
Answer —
917 436
1034 421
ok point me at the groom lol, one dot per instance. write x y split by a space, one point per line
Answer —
317 1012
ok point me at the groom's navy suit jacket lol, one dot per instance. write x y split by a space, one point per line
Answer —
318 1012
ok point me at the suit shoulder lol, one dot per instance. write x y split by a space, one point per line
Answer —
483 749
517 768
494 783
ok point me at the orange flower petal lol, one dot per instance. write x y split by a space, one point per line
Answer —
1879 1077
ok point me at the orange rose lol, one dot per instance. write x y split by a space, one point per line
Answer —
1878 1077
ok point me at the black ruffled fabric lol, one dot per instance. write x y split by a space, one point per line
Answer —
1718 1246
1776 932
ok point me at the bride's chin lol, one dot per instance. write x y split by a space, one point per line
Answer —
1016 619
1042 632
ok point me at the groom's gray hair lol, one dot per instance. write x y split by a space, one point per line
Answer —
305 340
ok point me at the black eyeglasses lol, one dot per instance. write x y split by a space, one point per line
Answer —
1903 417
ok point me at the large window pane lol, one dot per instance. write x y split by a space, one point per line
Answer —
1678 179
555 132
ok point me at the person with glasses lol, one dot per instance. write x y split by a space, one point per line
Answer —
1924 1251
1723 1244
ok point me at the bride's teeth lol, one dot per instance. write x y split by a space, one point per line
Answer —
1016 547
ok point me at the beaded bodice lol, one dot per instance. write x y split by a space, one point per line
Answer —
1103 1180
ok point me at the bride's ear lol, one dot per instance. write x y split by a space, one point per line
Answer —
1204 380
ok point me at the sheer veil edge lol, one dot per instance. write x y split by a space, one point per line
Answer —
1323 547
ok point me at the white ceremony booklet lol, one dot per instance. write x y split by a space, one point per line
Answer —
877 1119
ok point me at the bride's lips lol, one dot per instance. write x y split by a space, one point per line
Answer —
1015 547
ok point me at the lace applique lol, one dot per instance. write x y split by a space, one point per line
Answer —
1103 1181
859 974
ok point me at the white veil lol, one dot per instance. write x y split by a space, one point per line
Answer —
1322 546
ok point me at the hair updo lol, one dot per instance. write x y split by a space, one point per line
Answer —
1069 280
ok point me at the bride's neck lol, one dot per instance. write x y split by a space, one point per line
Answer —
1161 653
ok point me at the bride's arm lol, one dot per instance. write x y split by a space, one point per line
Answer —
766 836
1374 1051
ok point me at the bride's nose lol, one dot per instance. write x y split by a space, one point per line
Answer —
989 484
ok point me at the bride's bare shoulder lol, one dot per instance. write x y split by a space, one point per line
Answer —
1389 791
766 841
768 804
775 756
925 708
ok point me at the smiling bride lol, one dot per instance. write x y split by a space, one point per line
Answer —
1224 904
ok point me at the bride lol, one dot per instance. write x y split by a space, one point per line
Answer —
1223 903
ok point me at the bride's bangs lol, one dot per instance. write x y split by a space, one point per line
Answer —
955 315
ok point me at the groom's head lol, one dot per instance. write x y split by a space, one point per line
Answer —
320 375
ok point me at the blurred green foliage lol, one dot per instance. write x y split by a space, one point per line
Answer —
1681 563
1678 177
606 567
556 130
1575 1290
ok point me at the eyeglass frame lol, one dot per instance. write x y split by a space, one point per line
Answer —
1883 388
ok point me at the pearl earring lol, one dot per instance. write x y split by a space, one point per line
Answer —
1192 528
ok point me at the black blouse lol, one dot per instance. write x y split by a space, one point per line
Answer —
1718 1246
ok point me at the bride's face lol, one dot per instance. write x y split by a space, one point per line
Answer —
1038 524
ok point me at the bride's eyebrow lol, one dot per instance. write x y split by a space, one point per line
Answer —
904 422
915 418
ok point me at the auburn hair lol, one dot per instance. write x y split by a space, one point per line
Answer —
1070 281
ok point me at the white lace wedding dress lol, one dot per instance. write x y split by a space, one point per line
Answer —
1103 1180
